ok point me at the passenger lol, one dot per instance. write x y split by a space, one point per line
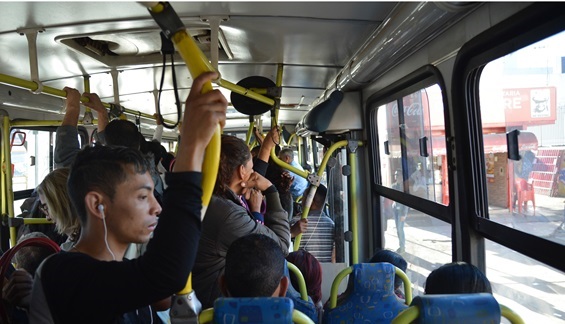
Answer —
56 205
299 184
318 238
400 212
30 209
111 189
254 268
261 165
457 278
398 261
66 139
30 257
227 218
282 181
255 151
118 132
16 291
311 269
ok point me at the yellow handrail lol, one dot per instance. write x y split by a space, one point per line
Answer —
207 316
347 271
197 64
292 136
31 85
300 278
8 197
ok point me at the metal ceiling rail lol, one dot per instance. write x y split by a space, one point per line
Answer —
33 86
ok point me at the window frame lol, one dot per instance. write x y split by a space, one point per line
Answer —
530 25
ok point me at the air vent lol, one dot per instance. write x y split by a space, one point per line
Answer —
133 47
97 47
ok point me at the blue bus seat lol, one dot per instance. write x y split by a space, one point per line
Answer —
456 309
372 298
305 306
276 310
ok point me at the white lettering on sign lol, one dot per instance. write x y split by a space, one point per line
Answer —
414 109
513 103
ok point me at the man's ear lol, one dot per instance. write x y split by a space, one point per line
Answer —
223 286
283 286
91 202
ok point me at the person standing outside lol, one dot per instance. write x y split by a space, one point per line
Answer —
399 211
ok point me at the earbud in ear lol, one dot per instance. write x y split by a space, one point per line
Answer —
101 209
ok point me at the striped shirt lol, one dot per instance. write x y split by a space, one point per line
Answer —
318 239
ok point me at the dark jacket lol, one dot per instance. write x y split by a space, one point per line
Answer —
227 220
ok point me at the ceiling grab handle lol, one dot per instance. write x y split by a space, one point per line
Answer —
185 306
31 36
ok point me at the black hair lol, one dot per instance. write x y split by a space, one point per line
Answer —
319 197
393 258
234 153
102 168
154 148
254 266
457 278
120 132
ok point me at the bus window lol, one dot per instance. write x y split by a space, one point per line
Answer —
32 159
427 243
522 94
411 135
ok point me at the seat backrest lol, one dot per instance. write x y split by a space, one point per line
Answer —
456 308
372 297
253 310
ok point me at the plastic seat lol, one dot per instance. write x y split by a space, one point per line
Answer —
456 309
525 192
372 298
276 310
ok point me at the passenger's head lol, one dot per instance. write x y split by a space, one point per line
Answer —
118 179
254 268
255 151
235 164
30 257
55 201
319 197
279 177
310 269
457 278
287 155
120 132
393 258
154 148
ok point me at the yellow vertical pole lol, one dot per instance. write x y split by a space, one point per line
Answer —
354 214
197 63
8 197
276 108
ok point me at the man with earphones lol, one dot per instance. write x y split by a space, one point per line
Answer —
112 191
